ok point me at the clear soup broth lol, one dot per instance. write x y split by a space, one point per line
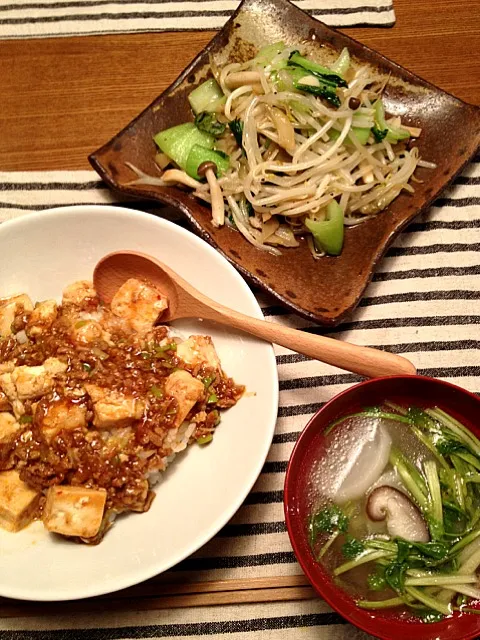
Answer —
395 510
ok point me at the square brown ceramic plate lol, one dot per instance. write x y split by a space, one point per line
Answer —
324 290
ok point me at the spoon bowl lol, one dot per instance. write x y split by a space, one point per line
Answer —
186 302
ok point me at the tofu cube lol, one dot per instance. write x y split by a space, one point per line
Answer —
41 319
85 331
4 402
199 350
18 502
78 293
55 367
9 309
8 388
61 415
30 382
74 511
9 428
140 303
112 408
186 390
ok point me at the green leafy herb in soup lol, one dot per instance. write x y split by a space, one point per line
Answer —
396 510
282 146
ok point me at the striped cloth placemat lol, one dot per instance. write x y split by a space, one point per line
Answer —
423 302
52 18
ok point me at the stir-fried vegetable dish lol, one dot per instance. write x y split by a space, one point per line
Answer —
282 147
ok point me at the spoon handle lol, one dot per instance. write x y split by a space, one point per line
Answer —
368 362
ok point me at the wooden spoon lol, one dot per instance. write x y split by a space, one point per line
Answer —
186 302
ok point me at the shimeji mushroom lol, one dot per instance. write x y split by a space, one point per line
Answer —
403 518
208 169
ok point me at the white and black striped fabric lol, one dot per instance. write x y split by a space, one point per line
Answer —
52 18
423 302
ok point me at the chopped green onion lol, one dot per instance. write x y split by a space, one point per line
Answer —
87 367
156 391
102 355
146 355
171 346
80 324
212 398
208 381
25 419
205 439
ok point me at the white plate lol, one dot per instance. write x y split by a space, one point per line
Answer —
41 253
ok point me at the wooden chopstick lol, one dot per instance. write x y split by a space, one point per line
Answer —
153 595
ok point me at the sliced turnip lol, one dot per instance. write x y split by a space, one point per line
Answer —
403 518
367 463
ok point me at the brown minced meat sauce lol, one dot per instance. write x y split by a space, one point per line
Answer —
121 460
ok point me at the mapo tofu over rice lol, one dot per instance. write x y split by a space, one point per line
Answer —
95 402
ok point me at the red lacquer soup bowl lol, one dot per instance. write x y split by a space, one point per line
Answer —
389 624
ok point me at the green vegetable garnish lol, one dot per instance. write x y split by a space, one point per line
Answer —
362 134
331 518
205 439
376 581
395 576
212 398
25 419
379 134
236 127
429 616
342 64
394 134
324 73
328 234
198 155
87 367
80 324
208 122
352 548
322 92
177 142
207 97
267 53
156 391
